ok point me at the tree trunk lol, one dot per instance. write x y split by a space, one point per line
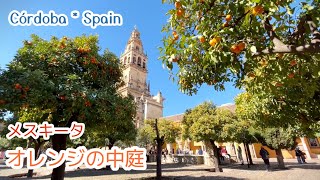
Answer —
160 141
215 157
110 145
159 155
59 142
249 153
280 159
36 152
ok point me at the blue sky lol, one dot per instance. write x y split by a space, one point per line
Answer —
148 15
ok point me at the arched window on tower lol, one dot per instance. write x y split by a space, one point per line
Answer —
139 61
134 60
144 65
137 48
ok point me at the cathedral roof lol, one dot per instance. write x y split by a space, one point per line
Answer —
179 117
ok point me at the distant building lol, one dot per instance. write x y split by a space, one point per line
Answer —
135 77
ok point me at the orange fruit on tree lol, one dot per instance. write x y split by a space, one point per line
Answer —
241 46
177 4
293 62
202 39
226 24
214 41
235 49
175 60
176 37
252 75
174 33
93 60
291 75
62 97
80 50
257 10
279 55
180 12
2 102
278 84
228 17
214 81
87 103
27 88
17 86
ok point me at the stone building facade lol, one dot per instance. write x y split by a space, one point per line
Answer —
135 74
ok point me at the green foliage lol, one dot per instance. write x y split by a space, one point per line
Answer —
146 135
60 79
279 138
205 122
203 62
114 125
169 129
274 64
255 112
257 125
12 143
4 143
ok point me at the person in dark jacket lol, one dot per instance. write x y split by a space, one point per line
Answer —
265 156
300 156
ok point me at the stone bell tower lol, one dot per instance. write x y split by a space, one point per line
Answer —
135 77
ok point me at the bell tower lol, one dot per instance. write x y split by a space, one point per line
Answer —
135 73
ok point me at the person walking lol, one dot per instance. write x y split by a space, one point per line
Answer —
300 156
265 156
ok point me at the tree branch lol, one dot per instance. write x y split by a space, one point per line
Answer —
280 47
299 30
239 18
313 29
308 48
273 36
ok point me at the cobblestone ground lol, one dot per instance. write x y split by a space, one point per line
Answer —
294 171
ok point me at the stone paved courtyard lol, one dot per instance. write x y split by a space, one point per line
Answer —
309 171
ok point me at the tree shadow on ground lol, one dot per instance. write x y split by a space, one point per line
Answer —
151 169
208 178
103 172
273 165
191 177
5 167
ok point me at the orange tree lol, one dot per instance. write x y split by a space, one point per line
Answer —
271 48
65 78
256 125
208 124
